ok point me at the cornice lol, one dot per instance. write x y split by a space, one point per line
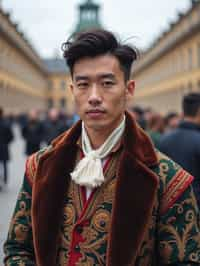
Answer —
11 32
171 38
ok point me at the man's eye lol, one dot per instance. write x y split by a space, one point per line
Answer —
82 85
108 83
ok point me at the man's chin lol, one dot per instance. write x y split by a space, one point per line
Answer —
96 125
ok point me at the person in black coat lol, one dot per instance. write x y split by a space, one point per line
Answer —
6 136
54 126
33 133
183 143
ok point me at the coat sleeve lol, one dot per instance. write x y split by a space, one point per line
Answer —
18 247
178 227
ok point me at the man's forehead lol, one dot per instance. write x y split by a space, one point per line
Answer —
97 66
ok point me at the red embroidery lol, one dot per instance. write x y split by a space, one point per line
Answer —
74 254
174 190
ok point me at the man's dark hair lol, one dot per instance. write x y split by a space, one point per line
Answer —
170 116
99 42
191 104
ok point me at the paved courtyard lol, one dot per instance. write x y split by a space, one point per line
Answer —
9 194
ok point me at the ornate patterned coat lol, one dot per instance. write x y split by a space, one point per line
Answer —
145 214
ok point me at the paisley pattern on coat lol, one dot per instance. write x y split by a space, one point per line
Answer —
166 240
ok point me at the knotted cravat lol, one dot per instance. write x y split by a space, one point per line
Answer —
89 171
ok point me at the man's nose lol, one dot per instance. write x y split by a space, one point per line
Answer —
94 96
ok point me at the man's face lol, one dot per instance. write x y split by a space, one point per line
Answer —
100 92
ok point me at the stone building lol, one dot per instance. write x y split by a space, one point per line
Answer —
163 74
26 80
171 66
23 77
59 94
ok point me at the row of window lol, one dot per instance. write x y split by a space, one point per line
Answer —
5 87
177 63
15 63
62 86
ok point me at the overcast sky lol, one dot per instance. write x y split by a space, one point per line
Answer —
47 23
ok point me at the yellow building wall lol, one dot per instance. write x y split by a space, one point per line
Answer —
23 80
59 88
162 83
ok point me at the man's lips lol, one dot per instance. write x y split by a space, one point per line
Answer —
95 113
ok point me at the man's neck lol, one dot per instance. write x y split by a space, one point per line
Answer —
98 137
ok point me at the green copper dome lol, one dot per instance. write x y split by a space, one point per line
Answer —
88 16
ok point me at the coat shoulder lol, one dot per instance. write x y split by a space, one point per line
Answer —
173 181
33 161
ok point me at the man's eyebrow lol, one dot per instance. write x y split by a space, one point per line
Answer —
100 76
107 75
77 78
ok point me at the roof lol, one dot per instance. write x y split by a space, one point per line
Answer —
56 65
89 4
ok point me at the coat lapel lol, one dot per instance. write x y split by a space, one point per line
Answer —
134 198
49 190
135 193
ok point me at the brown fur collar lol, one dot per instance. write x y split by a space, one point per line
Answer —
131 207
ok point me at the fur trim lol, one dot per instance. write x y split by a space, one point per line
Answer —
131 207
131 210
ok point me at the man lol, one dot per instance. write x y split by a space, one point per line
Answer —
172 121
6 136
101 194
33 132
53 125
183 143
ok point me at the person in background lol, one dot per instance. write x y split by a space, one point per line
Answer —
138 113
148 113
54 126
6 136
100 194
172 121
33 132
183 143
155 128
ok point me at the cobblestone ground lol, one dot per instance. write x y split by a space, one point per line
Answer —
9 194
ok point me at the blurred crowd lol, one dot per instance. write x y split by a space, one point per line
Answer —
37 128
176 135
156 124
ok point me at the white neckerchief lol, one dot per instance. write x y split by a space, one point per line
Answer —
89 171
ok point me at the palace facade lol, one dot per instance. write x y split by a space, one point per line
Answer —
23 76
26 80
164 73
171 66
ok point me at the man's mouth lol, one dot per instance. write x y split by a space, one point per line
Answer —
95 113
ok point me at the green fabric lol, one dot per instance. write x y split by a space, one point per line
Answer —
18 247
172 238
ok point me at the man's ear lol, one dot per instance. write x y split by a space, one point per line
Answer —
130 88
